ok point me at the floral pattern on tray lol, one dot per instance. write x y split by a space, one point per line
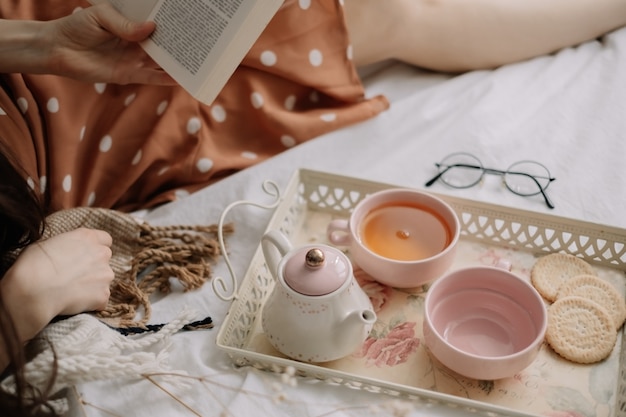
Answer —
395 351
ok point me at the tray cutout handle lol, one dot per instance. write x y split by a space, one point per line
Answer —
220 284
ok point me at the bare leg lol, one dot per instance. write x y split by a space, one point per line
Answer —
460 35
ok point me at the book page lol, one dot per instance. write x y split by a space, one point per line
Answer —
200 42
192 36
189 30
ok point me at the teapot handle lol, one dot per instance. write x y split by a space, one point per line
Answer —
220 285
275 246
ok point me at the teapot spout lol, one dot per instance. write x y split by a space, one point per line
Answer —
355 328
366 316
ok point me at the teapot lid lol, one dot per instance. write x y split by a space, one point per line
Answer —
317 270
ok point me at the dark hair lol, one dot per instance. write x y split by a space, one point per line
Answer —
21 212
22 219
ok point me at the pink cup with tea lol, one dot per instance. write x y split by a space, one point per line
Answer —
401 237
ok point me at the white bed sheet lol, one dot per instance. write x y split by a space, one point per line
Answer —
567 110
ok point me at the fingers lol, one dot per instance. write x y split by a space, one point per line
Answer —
106 275
92 284
103 237
101 300
110 19
152 76
143 75
147 71
141 69
103 46
94 235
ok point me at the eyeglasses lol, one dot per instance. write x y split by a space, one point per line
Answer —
525 178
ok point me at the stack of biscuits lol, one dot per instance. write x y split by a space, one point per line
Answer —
586 311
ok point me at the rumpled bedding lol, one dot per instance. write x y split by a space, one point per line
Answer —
566 111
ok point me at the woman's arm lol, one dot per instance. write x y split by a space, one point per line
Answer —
95 44
21 47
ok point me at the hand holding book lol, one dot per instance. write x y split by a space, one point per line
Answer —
200 43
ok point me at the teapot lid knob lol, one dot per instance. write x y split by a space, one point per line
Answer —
315 258
317 270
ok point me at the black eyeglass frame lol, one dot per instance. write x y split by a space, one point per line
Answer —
495 172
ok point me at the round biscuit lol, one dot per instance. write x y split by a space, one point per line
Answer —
598 291
551 271
580 330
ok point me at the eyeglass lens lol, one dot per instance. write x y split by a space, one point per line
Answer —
527 178
461 170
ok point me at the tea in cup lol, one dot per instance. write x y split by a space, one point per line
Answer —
401 237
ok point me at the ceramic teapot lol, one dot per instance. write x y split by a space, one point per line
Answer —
317 312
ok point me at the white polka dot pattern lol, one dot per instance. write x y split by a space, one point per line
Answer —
268 58
22 103
288 141
162 107
43 184
328 117
53 105
67 183
194 125
290 102
257 100
204 165
316 57
129 99
137 157
145 145
106 143
218 113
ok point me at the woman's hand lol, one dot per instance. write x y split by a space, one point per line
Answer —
95 44
63 275
98 44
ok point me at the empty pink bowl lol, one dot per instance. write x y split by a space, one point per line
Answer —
484 322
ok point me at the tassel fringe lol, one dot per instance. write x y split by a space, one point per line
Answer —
184 253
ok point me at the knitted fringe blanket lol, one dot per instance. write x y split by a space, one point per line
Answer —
82 349
145 258
90 347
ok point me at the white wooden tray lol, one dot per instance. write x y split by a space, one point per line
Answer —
395 360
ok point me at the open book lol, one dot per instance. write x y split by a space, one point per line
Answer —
200 43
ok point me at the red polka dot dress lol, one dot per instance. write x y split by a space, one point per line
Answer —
135 146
